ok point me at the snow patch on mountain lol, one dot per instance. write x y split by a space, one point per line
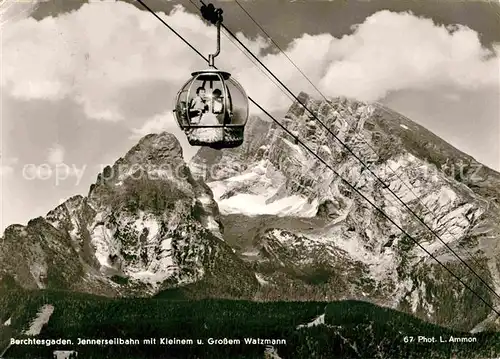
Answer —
254 192
41 319
381 265
450 227
258 204
320 320
261 279
101 238
63 354
144 230
211 224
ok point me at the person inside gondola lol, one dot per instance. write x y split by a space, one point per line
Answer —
218 107
210 120
218 102
198 106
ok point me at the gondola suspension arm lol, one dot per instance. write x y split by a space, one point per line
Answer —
214 16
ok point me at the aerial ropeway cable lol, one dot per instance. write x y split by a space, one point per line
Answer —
385 186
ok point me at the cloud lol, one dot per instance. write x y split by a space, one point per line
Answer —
41 172
56 154
57 173
388 52
7 165
6 170
165 122
120 64
94 61
122 47
54 168
13 10
398 51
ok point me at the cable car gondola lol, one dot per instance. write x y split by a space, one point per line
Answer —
212 107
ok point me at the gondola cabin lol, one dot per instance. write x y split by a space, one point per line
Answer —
212 109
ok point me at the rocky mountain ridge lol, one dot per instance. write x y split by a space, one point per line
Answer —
145 226
348 250
267 221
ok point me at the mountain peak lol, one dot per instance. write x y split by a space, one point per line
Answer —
146 225
155 156
155 148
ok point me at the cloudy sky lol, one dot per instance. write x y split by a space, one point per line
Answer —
81 82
